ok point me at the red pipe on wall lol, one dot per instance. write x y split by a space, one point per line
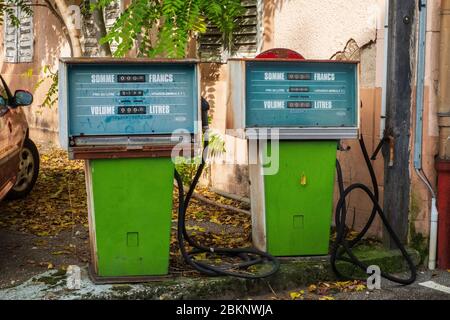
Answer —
443 249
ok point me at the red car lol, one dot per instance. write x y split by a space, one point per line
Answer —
19 157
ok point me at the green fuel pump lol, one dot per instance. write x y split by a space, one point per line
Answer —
293 112
126 118
120 117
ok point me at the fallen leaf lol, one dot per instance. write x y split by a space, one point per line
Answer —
195 228
360 287
296 295
201 256
327 298
312 288
57 253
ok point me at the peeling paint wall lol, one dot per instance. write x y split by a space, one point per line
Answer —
318 30
43 121
355 28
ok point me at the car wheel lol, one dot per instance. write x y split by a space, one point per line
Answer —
28 171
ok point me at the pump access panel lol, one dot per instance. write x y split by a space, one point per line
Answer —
103 98
301 94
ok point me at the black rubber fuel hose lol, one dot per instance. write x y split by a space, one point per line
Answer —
248 256
343 246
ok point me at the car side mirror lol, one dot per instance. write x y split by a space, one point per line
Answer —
3 107
22 98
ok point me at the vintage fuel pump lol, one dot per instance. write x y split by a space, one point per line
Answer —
126 118
308 106
120 117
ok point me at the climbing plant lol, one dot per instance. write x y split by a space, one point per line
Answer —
8 8
165 27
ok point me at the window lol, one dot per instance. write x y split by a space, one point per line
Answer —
18 41
247 37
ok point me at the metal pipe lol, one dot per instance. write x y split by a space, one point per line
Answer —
385 69
434 219
418 138
420 85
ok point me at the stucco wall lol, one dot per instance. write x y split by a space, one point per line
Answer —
49 45
317 29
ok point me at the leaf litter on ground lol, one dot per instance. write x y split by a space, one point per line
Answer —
58 203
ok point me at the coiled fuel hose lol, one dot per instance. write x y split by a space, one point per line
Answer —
249 257
342 248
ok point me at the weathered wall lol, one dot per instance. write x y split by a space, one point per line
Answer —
49 45
320 29
317 29
420 197
354 30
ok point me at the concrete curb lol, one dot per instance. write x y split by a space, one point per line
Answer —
293 273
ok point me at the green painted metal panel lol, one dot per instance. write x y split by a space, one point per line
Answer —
132 201
299 199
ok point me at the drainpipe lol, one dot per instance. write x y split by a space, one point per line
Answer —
443 163
418 144
385 69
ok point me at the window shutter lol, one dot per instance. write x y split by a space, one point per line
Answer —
19 41
112 12
10 39
246 37
26 38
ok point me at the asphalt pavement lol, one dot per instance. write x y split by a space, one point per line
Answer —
416 291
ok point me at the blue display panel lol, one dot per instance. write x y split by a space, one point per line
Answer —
301 94
117 99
